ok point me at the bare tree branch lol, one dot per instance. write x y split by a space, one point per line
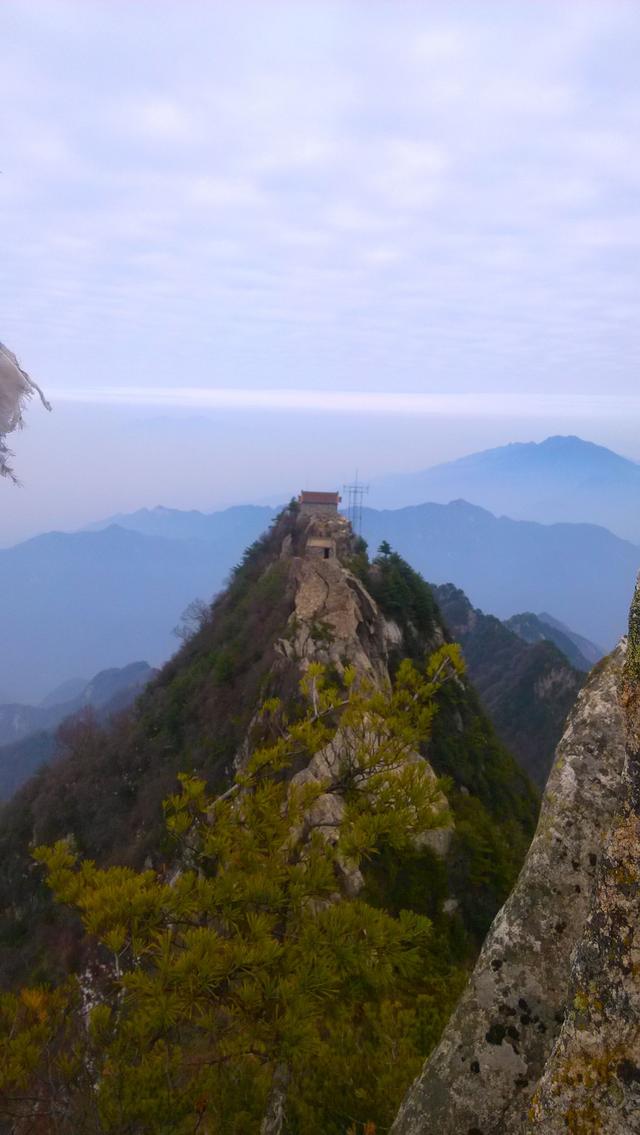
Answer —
16 388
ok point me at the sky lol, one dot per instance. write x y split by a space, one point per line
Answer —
253 246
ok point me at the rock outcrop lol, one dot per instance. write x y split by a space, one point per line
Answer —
335 620
591 1083
481 1078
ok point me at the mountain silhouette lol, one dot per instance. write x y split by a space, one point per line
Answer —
559 479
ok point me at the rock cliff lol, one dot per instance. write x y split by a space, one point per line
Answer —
335 620
481 1078
591 1083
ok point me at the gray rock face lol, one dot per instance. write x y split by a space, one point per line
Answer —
335 620
481 1078
591 1083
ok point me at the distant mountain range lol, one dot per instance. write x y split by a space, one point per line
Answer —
109 688
76 603
27 732
527 688
581 653
560 479
232 529
587 649
66 691
582 573
519 667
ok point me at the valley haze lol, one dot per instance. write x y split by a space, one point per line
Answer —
75 603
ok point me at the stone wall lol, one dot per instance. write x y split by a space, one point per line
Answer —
309 509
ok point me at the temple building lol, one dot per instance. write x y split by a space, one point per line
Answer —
319 504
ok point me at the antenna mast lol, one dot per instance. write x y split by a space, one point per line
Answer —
355 494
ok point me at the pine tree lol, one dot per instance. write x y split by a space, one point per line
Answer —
228 992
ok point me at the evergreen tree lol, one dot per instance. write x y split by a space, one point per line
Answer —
237 990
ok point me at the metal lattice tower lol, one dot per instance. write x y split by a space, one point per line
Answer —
355 494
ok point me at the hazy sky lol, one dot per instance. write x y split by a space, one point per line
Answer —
247 245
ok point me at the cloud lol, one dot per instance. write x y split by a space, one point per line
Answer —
479 404
378 196
156 118
220 192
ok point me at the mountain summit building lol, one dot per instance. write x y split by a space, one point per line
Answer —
319 504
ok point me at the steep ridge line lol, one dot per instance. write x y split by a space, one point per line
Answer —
107 788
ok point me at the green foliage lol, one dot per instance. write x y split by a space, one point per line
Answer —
247 970
321 632
358 561
404 597
493 803
367 1053
417 880
632 667
243 963
108 784
527 688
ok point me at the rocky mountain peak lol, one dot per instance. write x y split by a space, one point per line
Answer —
335 620
304 592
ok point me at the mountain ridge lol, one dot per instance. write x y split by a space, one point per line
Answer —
17 720
535 628
98 599
282 609
561 479
28 734
506 565
82 602
177 524
527 688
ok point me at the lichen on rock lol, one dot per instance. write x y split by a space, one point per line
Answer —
632 668
591 1083
481 1077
